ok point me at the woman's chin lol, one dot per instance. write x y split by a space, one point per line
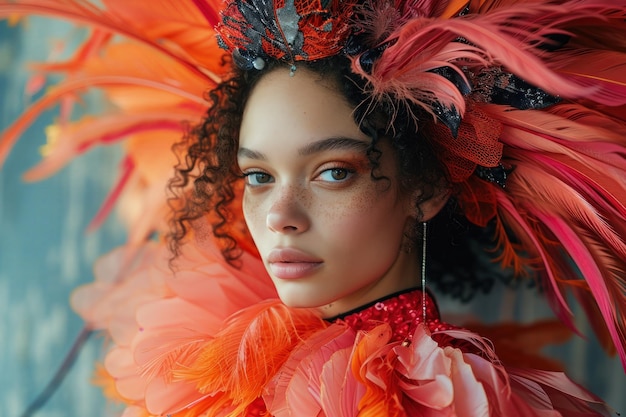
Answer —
302 298
299 301
325 308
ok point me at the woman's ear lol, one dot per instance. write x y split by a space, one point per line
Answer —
429 208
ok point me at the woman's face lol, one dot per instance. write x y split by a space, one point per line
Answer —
329 235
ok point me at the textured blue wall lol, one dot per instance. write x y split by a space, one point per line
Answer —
45 253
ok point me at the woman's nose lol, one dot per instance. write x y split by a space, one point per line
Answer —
287 213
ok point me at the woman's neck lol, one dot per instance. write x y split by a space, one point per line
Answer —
404 274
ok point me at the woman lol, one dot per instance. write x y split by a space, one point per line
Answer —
346 186
349 127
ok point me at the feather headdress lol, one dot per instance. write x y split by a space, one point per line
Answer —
528 114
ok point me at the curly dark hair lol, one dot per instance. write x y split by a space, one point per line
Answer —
208 159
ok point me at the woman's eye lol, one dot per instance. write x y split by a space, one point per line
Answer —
258 178
335 174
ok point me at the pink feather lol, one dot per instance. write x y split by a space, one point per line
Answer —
610 306
544 189
502 37
518 221
111 199
597 193
550 199
81 137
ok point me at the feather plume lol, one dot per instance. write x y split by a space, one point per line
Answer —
373 365
116 21
142 85
295 389
604 71
153 92
611 305
508 38
109 202
509 256
521 344
523 230
586 116
552 184
248 352
72 140
568 396
98 65
560 198
11 135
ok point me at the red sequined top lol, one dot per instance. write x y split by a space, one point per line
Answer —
403 311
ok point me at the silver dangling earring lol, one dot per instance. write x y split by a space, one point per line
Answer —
424 230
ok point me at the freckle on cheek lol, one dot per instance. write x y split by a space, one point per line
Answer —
361 201
304 198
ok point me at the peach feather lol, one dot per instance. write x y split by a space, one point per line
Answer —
85 12
98 39
11 135
339 393
294 387
119 278
600 118
546 129
128 380
186 31
67 140
71 140
164 332
247 353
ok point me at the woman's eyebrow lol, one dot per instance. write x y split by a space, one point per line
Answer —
250 154
333 143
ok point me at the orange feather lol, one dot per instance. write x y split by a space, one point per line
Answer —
242 357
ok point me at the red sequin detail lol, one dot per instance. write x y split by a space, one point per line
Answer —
403 313
319 28
256 408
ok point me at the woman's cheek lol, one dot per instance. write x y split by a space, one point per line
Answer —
348 211
252 212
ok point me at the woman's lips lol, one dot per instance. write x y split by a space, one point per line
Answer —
290 263
293 270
